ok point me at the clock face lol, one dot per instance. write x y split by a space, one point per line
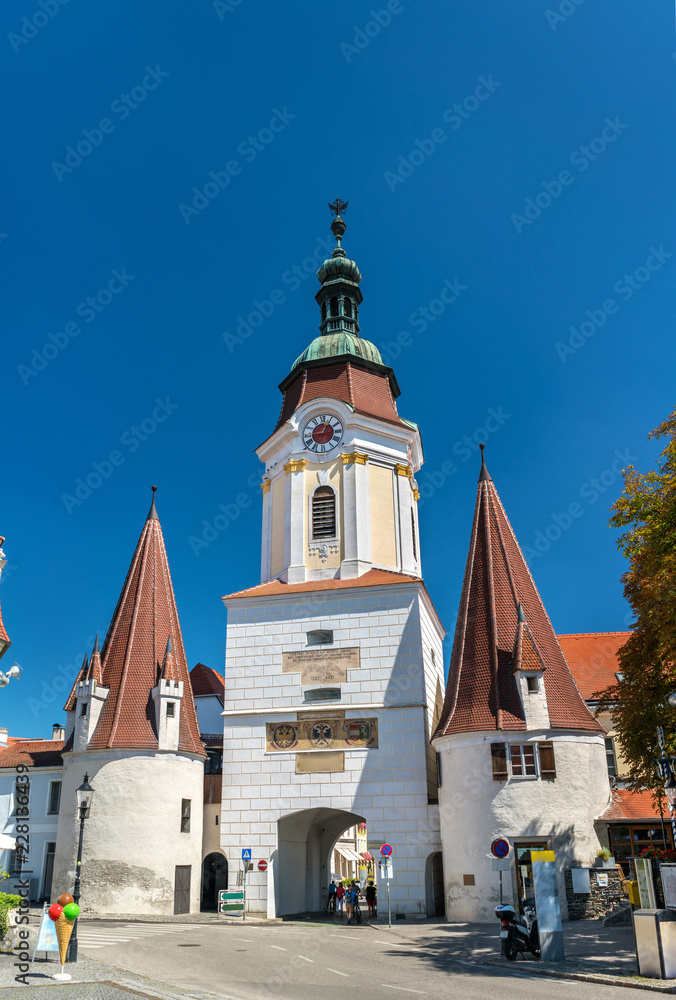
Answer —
322 433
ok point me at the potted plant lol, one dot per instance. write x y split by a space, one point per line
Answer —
605 859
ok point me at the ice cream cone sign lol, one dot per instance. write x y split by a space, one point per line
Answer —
64 918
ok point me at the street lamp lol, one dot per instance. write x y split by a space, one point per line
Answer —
14 671
85 794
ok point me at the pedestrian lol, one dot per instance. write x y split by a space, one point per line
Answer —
331 905
371 893
340 897
350 899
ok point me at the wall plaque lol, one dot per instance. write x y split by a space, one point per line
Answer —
321 666
321 734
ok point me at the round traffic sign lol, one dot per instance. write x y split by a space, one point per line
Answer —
500 848
386 850
262 866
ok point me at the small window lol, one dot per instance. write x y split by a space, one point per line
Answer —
185 815
522 760
319 637
611 760
334 306
438 770
324 513
323 694
415 543
532 685
171 709
54 798
347 307
83 708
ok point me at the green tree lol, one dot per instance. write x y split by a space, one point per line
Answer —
647 510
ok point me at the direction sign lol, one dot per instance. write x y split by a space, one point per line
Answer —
246 854
231 901
262 866
500 848
386 850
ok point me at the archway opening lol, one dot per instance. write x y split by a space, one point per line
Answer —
214 878
305 845
434 885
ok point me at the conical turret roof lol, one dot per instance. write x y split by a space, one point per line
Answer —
133 653
502 626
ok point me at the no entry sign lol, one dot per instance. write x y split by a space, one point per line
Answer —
386 850
262 866
500 848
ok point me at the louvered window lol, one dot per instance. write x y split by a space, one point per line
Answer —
324 513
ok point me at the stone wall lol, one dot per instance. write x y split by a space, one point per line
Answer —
590 906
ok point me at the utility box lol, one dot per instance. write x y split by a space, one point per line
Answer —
656 943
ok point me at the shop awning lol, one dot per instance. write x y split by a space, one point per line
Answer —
349 854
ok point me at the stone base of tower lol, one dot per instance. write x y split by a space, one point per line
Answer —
558 814
133 841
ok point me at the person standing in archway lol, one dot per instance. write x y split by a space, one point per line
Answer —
340 898
370 894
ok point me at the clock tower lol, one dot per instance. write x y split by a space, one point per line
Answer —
334 664
339 494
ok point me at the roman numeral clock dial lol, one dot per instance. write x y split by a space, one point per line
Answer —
322 433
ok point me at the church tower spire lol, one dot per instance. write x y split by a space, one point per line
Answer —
339 297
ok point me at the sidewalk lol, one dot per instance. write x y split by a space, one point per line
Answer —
593 953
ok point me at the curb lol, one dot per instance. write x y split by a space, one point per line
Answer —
584 977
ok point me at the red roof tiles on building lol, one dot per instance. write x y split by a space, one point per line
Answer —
632 807
592 658
374 578
367 390
481 693
131 661
32 753
206 681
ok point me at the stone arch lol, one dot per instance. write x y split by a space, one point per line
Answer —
305 842
434 885
214 878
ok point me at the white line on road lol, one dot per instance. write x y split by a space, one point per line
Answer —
305 959
404 988
277 947
246 940
337 973
398 944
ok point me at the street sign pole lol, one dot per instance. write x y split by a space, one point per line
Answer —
389 911
501 887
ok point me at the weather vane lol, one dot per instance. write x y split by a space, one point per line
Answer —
337 207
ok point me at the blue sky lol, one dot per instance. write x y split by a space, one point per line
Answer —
520 153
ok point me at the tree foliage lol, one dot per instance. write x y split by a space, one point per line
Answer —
647 510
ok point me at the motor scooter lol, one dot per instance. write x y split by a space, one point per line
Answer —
518 934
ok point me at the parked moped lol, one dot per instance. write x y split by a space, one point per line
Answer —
518 934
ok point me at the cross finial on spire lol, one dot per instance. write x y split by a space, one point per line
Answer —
484 474
338 226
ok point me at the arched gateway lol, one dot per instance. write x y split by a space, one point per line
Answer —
333 672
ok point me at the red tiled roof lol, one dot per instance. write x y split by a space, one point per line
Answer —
368 391
481 692
632 806
205 681
70 703
32 753
592 658
133 653
374 578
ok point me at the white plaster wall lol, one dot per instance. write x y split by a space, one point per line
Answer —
475 809
211 830
132 839
42 826
387 785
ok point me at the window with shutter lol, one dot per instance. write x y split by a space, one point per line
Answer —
324 513
499 761
547 763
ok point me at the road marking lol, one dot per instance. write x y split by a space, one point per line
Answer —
305 959
404 988
99 937
246 940
336 973
398 944
277 947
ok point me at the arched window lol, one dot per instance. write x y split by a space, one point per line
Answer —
347 306
324 513
334 306
323 311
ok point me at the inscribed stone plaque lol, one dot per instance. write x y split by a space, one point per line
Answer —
321 734
321 666
327 762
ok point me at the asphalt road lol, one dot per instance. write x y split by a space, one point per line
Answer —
305 961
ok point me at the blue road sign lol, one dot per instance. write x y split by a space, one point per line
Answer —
246 854
500 848
386 850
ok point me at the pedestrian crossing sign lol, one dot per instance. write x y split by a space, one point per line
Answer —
246 854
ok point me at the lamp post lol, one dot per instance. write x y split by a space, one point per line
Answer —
85 794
